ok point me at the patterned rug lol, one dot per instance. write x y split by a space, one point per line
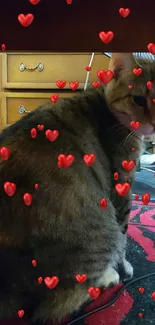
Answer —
136 305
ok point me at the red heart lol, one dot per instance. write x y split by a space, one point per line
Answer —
122 189
61 83
5 153
36 186
34 263
105 76
51 282
153 295
141 290
74 85
153 100
25 20
94 292
141 315
88 68
89 159
96 84
128 165
65 161
3 47
21 313
103 203
9 188
52 135
81 278
34 2
54 98
151 48
130 86
116 176
33 133
146 198
27 199
69 2
106 37
136 196
40 127
124 12
40 279
137 72
149 85
135 125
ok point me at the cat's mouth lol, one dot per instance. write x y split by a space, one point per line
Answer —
146 129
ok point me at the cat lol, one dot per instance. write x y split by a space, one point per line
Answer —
65 231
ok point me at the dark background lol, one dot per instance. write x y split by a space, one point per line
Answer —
58 26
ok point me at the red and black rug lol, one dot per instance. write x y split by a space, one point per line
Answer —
136 305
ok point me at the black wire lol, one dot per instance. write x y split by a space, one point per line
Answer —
141 224
113 300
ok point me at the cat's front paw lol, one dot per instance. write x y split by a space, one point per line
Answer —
128 270
110 277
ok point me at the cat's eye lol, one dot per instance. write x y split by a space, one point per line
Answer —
140 100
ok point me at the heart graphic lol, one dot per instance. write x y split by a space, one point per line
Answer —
153 100
21 313
61 83
103 203
74 85
149 85
88 68
81 278
122 189
40 279
130 86
96 84
9 188
153 295
51 282
94 292
25 20
135 125
34 2
151 48
36 186
52 135
89 159
105 76
40 127
5 153
136 197
124 12
33 133
116 176
34 263
141 315
3 47
137 72
54 98
27 199
146 198
69 2
106 37
65 160
141 290
128 165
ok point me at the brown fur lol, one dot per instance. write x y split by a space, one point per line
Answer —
65 229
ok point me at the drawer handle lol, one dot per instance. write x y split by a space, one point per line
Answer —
22 110
39 66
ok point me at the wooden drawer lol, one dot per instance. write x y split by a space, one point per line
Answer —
55 66
11 104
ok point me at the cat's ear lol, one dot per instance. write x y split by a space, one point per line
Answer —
120 62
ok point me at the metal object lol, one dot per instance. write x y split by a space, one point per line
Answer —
22 110
39 67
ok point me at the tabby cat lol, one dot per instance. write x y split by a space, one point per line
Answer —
65 231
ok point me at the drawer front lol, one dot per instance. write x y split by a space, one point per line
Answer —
40 70
19 104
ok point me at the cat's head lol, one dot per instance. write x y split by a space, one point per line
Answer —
128 95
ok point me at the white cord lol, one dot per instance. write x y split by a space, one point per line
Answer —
88 72
149 170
